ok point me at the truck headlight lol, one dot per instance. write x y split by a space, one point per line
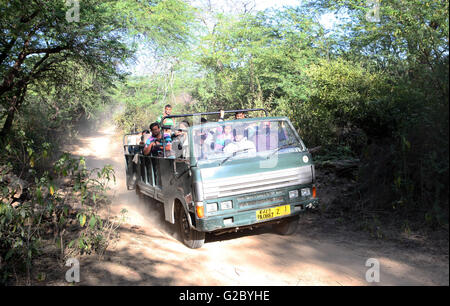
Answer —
293 194
226 205
211 207
306 192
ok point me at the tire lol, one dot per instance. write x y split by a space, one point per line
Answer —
191 238
287 226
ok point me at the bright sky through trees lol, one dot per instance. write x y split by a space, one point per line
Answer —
147 64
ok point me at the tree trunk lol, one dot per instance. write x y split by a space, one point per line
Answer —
13 107
8 123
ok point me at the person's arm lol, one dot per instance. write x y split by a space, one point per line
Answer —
168 142
149 146
147 149
175 134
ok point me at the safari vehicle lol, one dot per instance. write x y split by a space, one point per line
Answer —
227 175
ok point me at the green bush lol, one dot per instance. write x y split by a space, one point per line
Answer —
25 222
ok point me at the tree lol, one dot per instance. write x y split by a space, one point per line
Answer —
255 60
38 41
409 45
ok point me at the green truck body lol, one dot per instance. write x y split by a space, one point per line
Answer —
259 172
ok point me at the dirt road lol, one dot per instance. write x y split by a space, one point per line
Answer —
148 252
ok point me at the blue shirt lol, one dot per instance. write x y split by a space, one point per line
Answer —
167 139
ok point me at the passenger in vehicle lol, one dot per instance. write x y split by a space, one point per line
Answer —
145 134
154 144
223 138
206 146
240 143
208 134
221 115
167 112
184 125
239 115
180 141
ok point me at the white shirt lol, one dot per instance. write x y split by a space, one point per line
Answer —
244 144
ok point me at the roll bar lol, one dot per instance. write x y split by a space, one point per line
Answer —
221 113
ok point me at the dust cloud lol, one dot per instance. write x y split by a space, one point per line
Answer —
102 145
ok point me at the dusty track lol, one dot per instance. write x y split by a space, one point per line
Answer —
148 252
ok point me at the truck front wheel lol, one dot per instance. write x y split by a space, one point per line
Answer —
287 226
190 237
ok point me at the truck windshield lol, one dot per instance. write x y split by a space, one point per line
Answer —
236 139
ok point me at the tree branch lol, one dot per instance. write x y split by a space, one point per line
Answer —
47 50
26 19
8 48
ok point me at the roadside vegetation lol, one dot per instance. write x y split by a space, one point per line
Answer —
60 212
369 97
58 72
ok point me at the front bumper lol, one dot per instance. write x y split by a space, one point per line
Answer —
247 216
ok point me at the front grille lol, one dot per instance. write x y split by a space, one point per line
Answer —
260 195
237 185
276 200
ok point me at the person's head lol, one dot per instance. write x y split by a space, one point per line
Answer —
154 128
227 129
203 120
143 133
184 125
168 109
239 135
239 115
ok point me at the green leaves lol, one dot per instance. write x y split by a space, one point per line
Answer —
59 59
26 224
92 222
256 60
82 219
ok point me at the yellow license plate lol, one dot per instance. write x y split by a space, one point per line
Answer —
269 213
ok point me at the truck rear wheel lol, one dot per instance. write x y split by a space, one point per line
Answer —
190 237
286 226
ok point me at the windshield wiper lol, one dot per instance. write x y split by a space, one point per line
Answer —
280 148
232 155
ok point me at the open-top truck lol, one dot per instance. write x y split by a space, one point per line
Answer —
226 175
